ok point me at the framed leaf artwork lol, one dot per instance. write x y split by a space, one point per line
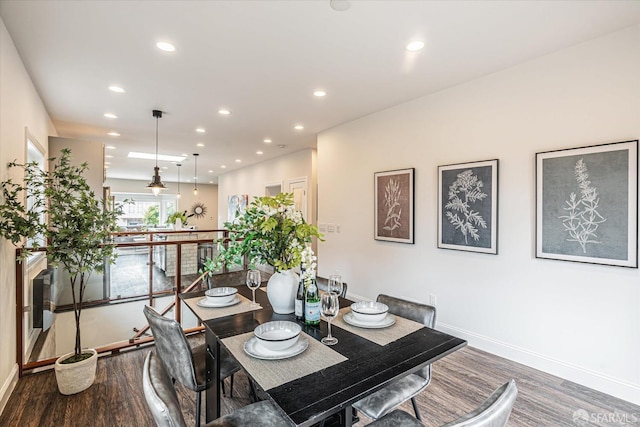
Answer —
587 204
393 210
468 206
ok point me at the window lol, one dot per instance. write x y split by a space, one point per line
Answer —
145 210
35 153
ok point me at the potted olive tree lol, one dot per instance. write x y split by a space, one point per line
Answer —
57 208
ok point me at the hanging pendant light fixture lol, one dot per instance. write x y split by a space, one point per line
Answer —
156 184
195 177
178 165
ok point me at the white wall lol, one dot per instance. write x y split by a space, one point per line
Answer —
207 194
578 321
20 108
253 179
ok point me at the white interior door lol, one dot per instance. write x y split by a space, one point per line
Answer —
299 189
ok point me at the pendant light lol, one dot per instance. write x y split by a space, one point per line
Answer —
195 177
156 184
178 165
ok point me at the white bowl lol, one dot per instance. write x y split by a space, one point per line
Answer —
221 295
277 335
369 311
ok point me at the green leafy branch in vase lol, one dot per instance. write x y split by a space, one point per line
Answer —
466 189
271 231
582 219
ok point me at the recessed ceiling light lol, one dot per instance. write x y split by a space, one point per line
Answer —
152 156
108 156
106 167
238 161
200 130
267 141
165 167
259 153
319 93
166 46
210 171
415 45
200 144
110 147
110 116
210 182
116 89
281 146
107 163
298 127
223 166
184 155
113 134
224 112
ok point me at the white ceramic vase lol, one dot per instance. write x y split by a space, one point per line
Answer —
73 378
178 224
281 291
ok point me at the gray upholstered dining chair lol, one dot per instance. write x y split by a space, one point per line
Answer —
494 412
186 365
163 403
385 400
323 285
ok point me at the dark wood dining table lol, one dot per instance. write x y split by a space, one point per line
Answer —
332 390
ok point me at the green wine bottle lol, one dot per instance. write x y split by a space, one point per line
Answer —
312 304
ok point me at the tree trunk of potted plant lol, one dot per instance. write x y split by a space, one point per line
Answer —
77 229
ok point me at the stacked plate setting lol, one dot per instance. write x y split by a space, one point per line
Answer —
276 340
220 297
369 314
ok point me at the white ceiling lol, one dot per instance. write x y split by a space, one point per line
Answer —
262 60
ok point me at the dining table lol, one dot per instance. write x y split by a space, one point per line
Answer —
321 381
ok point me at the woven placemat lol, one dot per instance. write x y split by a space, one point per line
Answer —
208 313
382 336
272 373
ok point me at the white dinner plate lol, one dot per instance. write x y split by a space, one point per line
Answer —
384 323
253 348
204 302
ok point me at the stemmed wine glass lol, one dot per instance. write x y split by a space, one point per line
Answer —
330 305
335 284
253 282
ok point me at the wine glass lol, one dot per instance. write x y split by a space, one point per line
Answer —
335 284
253 282
330 305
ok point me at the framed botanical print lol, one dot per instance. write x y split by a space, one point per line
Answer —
468 206
393 208
587 204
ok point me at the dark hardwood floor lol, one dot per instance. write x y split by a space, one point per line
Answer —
460 382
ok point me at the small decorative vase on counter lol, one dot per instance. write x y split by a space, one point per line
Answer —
281 291
178 224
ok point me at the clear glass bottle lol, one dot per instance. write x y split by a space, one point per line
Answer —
300 298
312 304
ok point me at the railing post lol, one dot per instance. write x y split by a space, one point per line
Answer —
225 242
178 280
19 305
151 249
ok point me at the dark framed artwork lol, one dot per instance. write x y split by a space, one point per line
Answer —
468 206
587 204
394 205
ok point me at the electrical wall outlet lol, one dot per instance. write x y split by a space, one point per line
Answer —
331 228
433 300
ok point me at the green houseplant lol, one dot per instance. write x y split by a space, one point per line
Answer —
269 232
57 207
